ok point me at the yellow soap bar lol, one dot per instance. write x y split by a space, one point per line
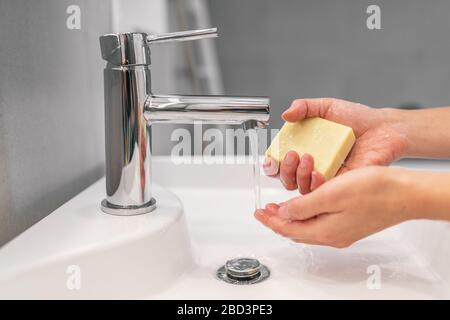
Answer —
328 142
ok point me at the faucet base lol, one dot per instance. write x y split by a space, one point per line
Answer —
128 210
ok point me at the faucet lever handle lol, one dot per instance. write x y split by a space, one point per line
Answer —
182 36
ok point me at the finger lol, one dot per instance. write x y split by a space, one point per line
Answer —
305 207
288 169
306 108
317 179
270 167
298 230
304 171
272 208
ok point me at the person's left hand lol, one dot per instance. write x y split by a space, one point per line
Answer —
379 140
343 210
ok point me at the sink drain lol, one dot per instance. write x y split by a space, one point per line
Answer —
243 271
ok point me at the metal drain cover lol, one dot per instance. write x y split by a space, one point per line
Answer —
243 271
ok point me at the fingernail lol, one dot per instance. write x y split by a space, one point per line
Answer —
272 208
290 159
283 212
270 166
267 163
259 213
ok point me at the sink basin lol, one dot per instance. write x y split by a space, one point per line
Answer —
79 252
174 252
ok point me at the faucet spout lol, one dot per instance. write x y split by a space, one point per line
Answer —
249 111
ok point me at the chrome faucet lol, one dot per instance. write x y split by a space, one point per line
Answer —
131 107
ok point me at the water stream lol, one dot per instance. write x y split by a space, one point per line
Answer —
253 138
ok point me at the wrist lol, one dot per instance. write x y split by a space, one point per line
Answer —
401 204
420 194
397 123
406 202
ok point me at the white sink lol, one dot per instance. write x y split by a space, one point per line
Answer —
79 252
150 256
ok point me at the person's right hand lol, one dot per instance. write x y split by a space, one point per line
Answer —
378 141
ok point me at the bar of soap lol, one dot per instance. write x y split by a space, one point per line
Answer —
328 142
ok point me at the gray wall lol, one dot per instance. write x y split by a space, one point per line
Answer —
290 48
51 107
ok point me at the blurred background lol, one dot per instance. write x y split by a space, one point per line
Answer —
51 86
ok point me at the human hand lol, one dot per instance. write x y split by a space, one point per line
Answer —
347 208
378 142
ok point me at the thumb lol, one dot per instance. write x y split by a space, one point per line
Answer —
304 207
307 108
